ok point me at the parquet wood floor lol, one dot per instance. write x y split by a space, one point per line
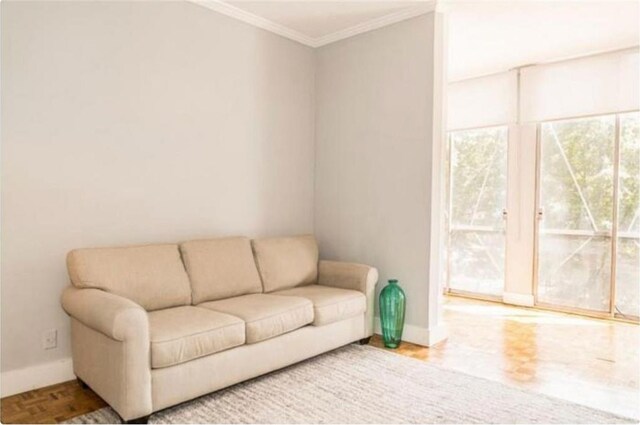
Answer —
54 404
588 361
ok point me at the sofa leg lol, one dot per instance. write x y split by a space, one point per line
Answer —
81 383
365 341
141 420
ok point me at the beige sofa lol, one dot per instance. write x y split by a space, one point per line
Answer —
153 326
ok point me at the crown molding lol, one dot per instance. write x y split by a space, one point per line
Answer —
227 9
373 24
255 20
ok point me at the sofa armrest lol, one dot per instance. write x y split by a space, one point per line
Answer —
111 349
358 277
343 275
112 315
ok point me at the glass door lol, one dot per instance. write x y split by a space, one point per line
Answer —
575 213
627 275
476 213
588 206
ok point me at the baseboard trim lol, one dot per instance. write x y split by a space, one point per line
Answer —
524 300
436 335
38 376
418 335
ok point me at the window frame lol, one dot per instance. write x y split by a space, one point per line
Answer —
447 289
611 313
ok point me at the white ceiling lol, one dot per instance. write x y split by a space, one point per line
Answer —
485 36
491 36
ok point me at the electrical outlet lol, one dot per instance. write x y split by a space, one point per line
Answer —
50 339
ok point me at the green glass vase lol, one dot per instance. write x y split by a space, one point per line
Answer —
392 308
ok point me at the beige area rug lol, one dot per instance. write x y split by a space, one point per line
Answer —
363 384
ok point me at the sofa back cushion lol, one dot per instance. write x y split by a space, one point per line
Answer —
220 268
286 262
152 276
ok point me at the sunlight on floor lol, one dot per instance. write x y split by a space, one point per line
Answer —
522 315
585 360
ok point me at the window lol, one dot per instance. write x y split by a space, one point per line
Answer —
571 238
627 289
576 212
478 188
582 209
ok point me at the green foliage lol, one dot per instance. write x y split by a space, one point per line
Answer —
577 192
479 176
629 173
478 186
581 150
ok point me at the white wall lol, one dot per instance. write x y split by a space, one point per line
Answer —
136 122
374 136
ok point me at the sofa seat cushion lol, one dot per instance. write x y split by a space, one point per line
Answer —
180 334
330 304
266 315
